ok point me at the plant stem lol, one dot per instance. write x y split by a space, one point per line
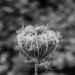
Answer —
36 66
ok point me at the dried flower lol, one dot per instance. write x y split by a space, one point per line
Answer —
37 42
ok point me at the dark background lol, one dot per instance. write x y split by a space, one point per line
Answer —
59 14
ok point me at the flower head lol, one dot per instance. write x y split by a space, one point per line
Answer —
37 42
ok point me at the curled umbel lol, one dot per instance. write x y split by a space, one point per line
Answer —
37 42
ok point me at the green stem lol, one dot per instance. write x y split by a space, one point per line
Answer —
36 66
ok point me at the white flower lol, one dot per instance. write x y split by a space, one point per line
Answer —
37 42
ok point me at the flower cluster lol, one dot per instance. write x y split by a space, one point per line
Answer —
37 42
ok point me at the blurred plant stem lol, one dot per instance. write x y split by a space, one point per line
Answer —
36 67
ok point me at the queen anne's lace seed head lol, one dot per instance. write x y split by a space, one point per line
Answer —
37 41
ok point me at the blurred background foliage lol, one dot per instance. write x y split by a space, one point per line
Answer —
59 14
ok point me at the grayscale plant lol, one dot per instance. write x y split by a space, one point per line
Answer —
36 44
